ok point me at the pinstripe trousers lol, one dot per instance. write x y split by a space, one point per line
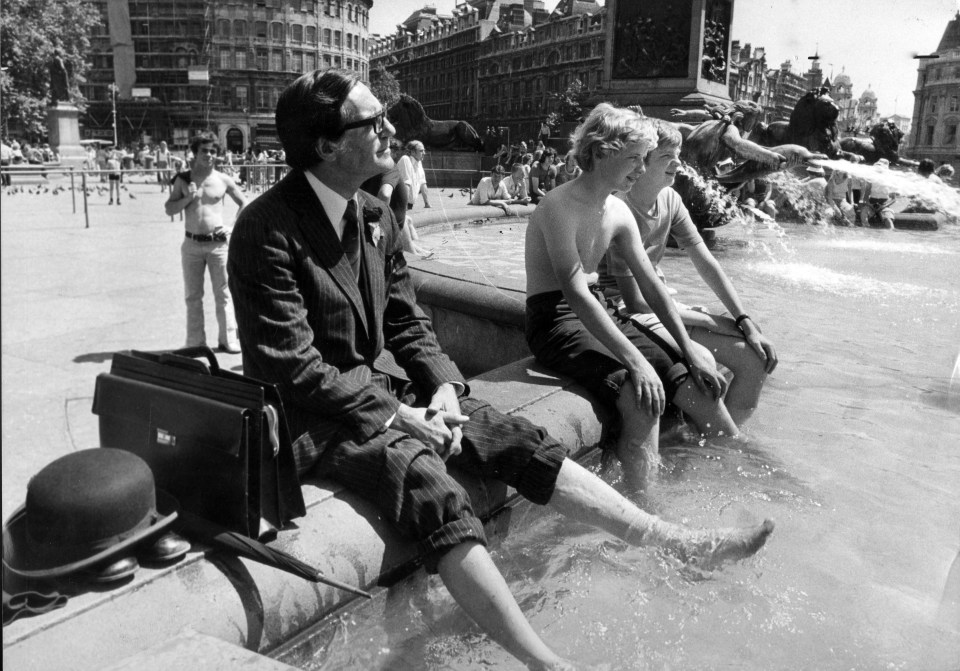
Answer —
410 485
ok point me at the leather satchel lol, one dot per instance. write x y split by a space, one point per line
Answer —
215 439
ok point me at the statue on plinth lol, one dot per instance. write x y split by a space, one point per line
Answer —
60 77
412 123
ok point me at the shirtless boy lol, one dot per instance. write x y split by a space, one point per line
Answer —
574 330
199 194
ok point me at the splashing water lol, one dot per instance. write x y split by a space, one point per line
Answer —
917 189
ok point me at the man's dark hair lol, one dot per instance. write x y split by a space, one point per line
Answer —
551 152
310 109
926 167
206 137
497 170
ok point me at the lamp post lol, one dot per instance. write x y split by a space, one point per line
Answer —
113 99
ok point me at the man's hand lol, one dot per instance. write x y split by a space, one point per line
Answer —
436 426
650 396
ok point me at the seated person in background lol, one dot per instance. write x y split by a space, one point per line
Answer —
735 343
543 175
926 170
758 193
574 330
318 305
839 195
945 172
490 191
516 185
569 170
877 199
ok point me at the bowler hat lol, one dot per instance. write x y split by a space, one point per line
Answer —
83 509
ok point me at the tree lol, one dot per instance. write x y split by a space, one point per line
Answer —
569 104
384 85
32 34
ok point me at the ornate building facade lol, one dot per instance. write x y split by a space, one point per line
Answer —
192 65
936 107
496 62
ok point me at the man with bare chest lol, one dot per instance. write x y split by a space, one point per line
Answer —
199 194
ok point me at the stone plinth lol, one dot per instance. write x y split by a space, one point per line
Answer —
63 127
664 54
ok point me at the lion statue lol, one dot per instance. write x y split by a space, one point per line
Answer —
813 124
412 123
884 142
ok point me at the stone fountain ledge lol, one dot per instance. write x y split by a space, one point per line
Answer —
205 606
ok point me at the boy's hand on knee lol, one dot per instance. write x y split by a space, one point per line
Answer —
705 375
650 396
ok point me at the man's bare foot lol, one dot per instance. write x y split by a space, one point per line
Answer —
709 548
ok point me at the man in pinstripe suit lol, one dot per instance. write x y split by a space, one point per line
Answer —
326 310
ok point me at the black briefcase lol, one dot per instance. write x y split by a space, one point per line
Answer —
216 440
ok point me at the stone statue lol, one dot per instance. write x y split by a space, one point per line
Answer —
724 136
884 142
412 123
59 80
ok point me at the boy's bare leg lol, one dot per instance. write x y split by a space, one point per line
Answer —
477 585
743 395
638 445
710 415
581 495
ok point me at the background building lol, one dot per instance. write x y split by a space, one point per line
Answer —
936 107
187 65
495 62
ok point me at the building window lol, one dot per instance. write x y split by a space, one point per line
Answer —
337 62
950 134
326 60
336 39
262 59
928 138
933 104
311 35
225 59
223 28
276 31
309 62
263 101
260 29
239 28
276 61
326 37
241 57
952 107
296 33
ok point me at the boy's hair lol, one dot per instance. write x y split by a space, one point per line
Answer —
609 129
926 167
668 135
206 137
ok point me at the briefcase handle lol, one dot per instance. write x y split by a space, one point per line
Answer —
186 357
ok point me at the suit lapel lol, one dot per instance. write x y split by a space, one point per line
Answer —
320 235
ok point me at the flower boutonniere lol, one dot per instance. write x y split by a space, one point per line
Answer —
371 217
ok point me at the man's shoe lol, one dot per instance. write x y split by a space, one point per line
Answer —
233 348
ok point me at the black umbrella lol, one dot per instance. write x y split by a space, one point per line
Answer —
218 536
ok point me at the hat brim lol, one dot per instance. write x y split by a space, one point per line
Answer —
17 560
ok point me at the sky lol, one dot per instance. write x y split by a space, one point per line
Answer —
873 40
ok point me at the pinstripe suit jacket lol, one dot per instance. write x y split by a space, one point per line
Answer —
307 325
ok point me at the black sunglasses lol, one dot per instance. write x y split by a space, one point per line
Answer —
375 121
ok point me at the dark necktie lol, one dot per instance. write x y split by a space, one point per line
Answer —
351 237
